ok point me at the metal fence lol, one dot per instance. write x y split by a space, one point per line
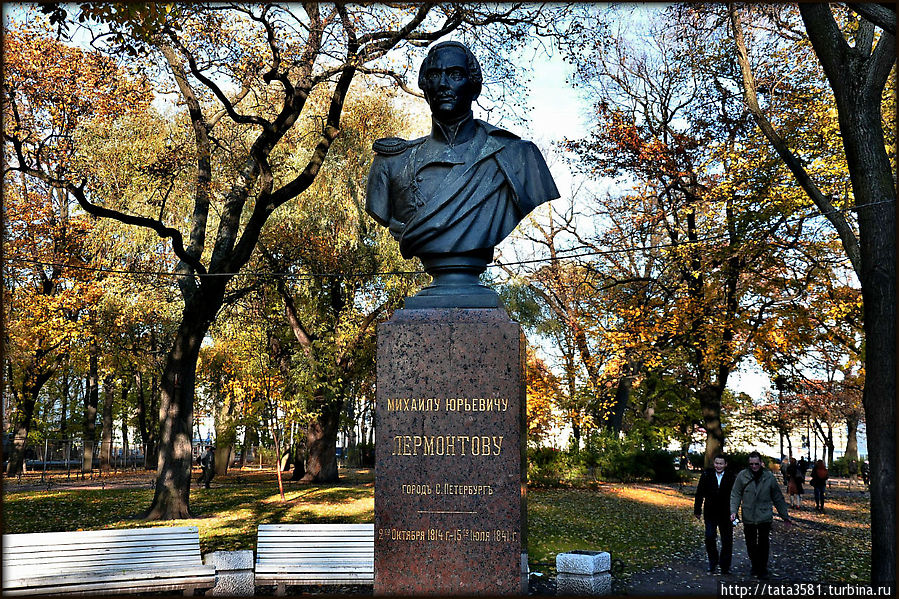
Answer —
67 457
54 458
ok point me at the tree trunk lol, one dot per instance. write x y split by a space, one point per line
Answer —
852 436
829 443
172 498
106 434
321 442
710 406
858 77
26 400
299 460
126 386
875 196
34 378
153 425
223 453
225 435
64 393
91 399
141 413
250 438
877 237
622 398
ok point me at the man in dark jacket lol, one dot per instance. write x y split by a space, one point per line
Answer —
714 488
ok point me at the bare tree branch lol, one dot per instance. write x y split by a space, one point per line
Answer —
836 218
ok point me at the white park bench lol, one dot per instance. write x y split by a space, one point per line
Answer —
105 562
315 554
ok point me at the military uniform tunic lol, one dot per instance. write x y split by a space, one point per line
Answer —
440 198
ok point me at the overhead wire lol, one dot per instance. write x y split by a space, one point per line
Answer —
563 255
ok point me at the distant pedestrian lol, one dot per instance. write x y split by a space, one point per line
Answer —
853 472
714 489
784 464
207 463
757 491
866 473
795 478
819 484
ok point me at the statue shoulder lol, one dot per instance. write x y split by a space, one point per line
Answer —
500 134
393 146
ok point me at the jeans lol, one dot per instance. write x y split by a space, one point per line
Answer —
819 497
727 543
758 545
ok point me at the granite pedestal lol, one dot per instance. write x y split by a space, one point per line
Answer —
449 458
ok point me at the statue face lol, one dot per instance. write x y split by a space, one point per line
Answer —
448 87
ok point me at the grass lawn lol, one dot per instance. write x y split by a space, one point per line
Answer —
642 525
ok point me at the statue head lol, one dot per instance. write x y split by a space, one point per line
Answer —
450 78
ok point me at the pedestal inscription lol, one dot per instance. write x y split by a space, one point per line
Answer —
449 471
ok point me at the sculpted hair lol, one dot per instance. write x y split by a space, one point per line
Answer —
471 61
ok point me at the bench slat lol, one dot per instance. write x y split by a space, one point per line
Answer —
125 586
295 555
82 536
182 546
37 568
110 553
293 570
314 538
135 574
69 561
292 580
270 545
84 544
323 526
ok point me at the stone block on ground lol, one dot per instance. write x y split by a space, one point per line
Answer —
581 584
233 573
584 563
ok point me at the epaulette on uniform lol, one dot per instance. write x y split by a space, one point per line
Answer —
391 146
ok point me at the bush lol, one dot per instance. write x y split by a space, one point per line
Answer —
628 459
840 467
547 466
362 455
662 465
697 460
604 457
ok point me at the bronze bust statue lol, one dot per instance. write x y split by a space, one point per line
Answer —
451 196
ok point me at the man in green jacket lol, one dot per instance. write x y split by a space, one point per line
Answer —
758 491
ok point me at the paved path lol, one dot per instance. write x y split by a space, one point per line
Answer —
798 554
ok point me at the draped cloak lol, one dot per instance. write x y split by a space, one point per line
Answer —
487 191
